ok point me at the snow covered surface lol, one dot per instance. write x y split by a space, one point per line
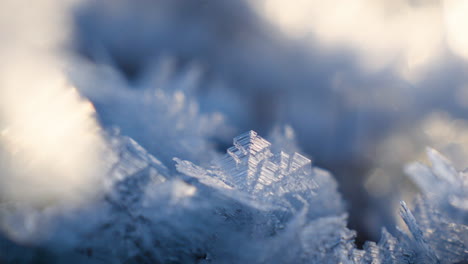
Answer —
116 120
251 205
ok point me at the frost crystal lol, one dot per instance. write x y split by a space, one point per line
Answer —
314 225
158 113
306 218
284 179
441 214
255 204
87 230
438 229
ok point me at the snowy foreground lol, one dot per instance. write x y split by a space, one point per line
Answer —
256 204
116 115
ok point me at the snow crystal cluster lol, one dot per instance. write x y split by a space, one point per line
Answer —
255 204
115 155
160 112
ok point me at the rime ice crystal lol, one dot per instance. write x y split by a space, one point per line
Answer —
441 212
437 229
255 204
158 113
284 179
288 182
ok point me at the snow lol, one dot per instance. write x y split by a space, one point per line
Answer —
115 133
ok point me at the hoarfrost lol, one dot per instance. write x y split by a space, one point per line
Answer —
441 212
159 113
287 180
255 204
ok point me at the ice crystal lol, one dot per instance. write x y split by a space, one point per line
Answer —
437 228
58 228
255 204
159 113
289 183
441 213
284 179
260 202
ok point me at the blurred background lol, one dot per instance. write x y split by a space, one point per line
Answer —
365 84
